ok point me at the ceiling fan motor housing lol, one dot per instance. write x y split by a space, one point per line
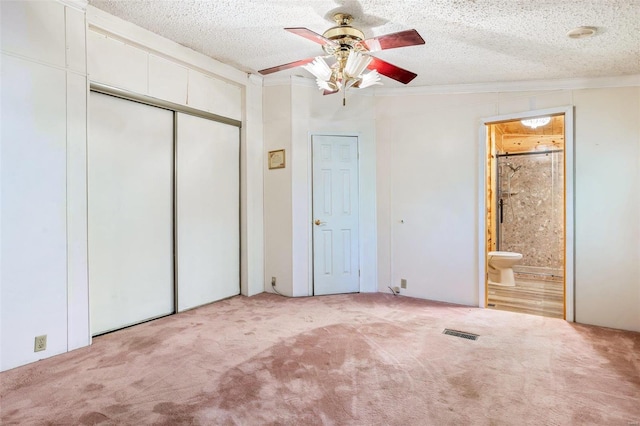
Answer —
344 34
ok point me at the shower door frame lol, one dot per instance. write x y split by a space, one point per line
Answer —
569 191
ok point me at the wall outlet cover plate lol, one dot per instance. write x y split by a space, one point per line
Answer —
40 343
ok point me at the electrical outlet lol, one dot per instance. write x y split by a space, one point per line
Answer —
40 343
403 283
273 281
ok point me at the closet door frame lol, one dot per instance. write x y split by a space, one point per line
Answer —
175 108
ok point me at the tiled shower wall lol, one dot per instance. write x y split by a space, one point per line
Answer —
533 216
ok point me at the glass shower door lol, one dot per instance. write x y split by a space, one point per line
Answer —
530 221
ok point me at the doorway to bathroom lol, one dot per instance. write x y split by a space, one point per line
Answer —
525 244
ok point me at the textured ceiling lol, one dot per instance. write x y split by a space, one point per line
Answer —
467 41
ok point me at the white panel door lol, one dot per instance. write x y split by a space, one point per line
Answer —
130 203
208 222
335 215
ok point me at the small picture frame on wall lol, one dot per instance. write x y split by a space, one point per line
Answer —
276 159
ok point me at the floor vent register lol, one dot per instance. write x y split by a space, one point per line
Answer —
462 334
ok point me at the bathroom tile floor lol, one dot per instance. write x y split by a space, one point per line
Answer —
529 296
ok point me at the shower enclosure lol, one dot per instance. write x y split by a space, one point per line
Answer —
530 211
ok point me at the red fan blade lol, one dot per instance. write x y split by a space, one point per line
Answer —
285 66
391 41
310 35
392 71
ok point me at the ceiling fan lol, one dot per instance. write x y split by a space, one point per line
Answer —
349 54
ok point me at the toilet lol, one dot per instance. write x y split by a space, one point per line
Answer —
501 267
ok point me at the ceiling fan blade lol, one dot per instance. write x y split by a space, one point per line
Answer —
393 40
285 66
392 71
329 92
310 35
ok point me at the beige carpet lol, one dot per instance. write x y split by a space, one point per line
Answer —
362 359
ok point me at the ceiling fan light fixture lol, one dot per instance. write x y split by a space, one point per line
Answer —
356 64
536 122
369 79
351 57
329 86
344 73
319 68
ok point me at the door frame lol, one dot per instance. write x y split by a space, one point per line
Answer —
310 205
569 202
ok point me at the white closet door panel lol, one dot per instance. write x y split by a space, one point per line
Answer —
130 202
208 242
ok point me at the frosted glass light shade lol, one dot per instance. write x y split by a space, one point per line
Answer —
356 64
536 122
370 79
319 68
343 74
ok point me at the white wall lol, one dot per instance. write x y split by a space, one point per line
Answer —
252 190
428 168
43 287
608 207
277 191
427 174
294 111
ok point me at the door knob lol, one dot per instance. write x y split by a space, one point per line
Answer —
319 222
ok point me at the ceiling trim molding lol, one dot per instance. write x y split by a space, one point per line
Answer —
75 4
511 86
514 86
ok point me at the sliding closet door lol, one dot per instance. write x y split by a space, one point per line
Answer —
130 202
208 228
